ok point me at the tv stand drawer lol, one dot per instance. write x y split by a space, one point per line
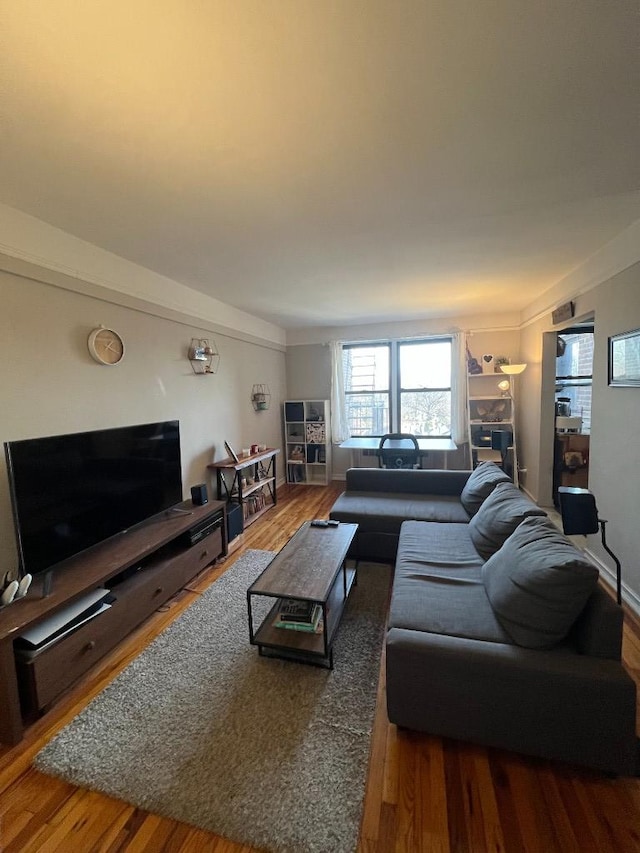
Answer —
46 674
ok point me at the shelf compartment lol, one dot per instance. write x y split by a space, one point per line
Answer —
302 642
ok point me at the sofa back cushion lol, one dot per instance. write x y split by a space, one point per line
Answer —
538 583
395 480
499 515
480 484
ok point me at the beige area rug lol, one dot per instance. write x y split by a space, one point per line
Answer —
202 729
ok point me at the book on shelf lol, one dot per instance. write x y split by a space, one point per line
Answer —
296 610
302 627
300 619
253 503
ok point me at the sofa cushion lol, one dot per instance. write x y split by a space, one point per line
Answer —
538 583
480 484
384 512
427 481
498 517
438 584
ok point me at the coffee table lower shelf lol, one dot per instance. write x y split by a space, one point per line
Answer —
303 646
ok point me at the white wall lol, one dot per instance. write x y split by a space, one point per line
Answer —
614 467
614 458
28 239
49 383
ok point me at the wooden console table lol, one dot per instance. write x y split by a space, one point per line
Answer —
256 497
143 567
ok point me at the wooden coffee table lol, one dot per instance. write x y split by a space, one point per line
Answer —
311 567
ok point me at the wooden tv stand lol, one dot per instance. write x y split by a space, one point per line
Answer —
143 567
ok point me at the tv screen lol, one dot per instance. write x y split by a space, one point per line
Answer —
70 492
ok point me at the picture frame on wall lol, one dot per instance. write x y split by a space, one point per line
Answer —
624 359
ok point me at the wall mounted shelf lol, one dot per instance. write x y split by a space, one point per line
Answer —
203 356
260 397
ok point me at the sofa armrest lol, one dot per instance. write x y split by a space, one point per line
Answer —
598 629
555 704
415 482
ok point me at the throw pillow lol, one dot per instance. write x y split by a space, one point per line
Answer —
480 484
500 514
538 583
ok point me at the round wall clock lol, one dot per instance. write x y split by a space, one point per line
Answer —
106 346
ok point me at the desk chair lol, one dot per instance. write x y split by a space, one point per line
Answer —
398 450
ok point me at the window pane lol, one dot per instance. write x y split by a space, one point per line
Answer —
395 386
368 414
576 360
425 365
426 413
366 368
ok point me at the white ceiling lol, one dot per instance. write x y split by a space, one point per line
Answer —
328 162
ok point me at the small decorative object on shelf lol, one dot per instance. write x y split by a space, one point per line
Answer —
488 363
512 369
316 433
472 364
231 452
261 397
203 356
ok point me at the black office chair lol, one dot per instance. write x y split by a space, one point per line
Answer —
399 450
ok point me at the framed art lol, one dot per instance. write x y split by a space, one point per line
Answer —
624 359
231 452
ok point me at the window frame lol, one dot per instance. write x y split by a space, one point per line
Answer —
573 382
388 392
395 389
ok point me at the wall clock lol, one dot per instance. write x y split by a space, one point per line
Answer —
106 346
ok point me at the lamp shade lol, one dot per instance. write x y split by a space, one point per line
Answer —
512 369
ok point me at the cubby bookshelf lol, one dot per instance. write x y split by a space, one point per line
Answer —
307 441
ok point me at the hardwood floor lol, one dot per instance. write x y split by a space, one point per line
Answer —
423 793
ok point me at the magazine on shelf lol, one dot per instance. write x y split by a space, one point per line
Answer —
301 627
295 610
309 624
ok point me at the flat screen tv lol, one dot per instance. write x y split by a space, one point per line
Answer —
71 492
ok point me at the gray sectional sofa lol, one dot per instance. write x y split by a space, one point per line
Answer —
498 632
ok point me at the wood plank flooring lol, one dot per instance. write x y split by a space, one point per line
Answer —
423 793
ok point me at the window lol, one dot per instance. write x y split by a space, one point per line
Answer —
425 388
399 386
574 368
367 386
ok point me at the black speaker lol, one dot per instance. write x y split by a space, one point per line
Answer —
199 494
578 510
501 439
235 522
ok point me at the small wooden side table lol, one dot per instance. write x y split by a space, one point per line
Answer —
256 497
